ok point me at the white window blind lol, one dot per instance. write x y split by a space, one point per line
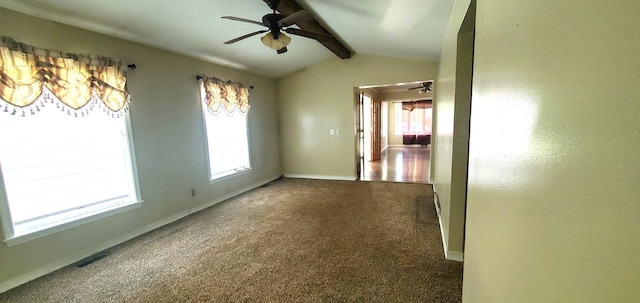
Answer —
57 169
417 121
227 144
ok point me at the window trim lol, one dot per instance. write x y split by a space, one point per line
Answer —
222 176
11 239
68 225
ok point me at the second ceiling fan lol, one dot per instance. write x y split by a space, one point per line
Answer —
424 87
276 24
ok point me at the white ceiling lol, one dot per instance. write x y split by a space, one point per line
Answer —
412 29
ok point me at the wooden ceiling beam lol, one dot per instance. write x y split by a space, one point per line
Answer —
288 7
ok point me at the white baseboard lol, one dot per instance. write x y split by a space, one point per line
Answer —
454 256
70 259
231 195
32 275
449 255
320 177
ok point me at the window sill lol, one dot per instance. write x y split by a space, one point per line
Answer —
228 175
32 235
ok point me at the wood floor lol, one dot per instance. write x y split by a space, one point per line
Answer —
400 164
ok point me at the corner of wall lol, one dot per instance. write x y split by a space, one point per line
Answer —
449 255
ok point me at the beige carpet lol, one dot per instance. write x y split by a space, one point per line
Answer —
293 241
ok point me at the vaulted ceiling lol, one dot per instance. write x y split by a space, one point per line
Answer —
412 29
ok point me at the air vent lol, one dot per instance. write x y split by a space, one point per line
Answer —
88 260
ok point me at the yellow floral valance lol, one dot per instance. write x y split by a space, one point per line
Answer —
227 95
28 73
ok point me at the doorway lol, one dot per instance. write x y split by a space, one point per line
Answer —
381 153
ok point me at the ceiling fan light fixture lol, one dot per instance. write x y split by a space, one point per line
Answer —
275 44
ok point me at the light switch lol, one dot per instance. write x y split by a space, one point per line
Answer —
337 132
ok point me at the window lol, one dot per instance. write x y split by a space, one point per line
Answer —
416 121
62 164
226 133
53 176
227 144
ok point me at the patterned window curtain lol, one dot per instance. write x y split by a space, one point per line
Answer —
228 96
31 77
416 123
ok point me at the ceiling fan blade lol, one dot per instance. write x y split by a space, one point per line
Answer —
242 20
299 16
426 86
245 36
312 35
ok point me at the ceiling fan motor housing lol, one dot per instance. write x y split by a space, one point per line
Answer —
277 24
271 21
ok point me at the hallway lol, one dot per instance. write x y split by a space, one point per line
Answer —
400 164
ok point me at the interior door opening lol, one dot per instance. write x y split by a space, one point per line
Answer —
384 149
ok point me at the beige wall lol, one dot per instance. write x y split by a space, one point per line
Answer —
393 138
449 139
169 143
553 211
412 95
321 97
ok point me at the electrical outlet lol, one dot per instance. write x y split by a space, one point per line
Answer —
193 192
332 132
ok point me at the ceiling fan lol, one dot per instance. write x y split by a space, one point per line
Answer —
277 23
424 87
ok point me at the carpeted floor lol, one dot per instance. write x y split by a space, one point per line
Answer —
293 241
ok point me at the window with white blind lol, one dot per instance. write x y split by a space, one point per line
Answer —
60 171
417 121
227 143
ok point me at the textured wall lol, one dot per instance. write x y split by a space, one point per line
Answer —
553 209
449 157
393 138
